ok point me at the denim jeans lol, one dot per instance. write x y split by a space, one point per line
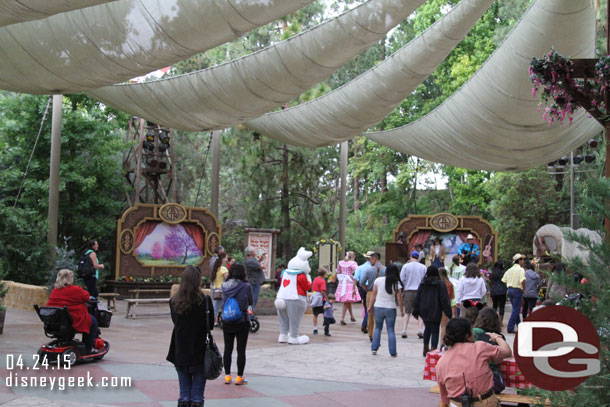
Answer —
528 306
515 296
431 333
192 385
89 339
389 316
256 289
218 304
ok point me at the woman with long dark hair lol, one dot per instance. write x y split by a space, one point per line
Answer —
498 289
431 302
387 292
192 314
237 287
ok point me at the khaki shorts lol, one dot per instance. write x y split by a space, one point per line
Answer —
408 300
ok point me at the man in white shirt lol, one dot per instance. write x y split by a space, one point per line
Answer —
411 275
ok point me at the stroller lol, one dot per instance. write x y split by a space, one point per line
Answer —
254 324
65 349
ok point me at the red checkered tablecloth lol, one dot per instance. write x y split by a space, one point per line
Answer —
508 368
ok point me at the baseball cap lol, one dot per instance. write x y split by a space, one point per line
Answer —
415 254
369 253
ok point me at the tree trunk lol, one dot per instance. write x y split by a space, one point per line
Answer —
384 188
285 205
356 190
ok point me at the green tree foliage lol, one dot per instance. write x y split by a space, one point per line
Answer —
595 304
522 202
91 186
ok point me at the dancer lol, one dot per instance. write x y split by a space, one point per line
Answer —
347 291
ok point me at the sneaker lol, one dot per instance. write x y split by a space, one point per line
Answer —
374 352
239 380
420 335
315 331
394 355
228 379
327 334
404 334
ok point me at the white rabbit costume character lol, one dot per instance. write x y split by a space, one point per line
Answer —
291 302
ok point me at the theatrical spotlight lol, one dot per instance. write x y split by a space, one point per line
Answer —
563 160
577 159
589 158
551 166
593 143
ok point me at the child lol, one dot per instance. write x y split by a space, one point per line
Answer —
329 319
318 296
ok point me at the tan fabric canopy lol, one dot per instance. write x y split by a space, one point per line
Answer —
250 86
492 122
110 43
12 12
348 111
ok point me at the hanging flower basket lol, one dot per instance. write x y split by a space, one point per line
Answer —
562 94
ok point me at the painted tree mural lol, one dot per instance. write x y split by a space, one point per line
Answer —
157 251
180 243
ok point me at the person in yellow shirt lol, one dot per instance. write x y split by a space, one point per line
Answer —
514 278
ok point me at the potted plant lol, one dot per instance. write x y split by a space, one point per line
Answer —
3 291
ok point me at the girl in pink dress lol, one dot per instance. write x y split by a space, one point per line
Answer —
347 292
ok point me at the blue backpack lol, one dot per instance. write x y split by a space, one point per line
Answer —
231 311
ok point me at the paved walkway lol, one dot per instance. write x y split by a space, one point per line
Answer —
330 371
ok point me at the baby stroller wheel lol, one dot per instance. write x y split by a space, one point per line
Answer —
68 358
254 325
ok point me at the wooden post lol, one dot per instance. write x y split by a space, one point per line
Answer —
342 194
216 139
138 169
53 218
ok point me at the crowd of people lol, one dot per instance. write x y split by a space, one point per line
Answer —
454 309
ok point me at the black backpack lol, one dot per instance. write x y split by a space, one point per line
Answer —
85 267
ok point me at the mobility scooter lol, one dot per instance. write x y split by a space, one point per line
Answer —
65 349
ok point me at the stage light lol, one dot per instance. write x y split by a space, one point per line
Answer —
593 143
563 160
577 159
152 162
589 158
163 165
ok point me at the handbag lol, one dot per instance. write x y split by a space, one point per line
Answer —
217 294
212 363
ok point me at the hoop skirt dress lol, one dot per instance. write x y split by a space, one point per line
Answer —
346 287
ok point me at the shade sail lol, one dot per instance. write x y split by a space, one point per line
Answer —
12 11
250 86
348 111
110 43
492 122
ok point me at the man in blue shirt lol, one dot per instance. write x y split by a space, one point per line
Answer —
368 281
469 250
357 276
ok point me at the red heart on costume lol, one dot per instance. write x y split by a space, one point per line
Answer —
286 283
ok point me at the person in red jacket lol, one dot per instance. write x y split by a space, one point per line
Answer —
65 293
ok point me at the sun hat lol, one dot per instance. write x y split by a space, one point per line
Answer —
518 256
369 253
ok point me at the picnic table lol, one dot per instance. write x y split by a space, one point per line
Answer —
133 302
136 293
